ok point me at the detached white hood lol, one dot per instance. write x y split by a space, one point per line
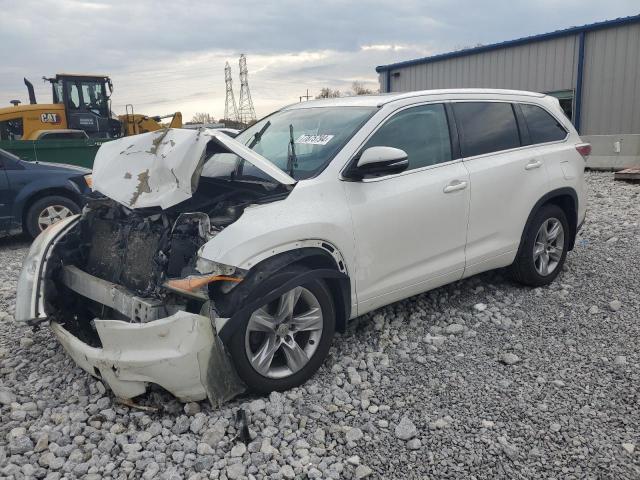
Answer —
162 168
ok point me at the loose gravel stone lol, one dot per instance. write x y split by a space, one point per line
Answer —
454 329
6 396
480 307
235 471
287 471
615 305
403 394
238 450
405 430
509 358
414 444
353 435
362 471
192 408
620 360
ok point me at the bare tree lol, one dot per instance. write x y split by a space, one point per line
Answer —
328 93
358 88
201 117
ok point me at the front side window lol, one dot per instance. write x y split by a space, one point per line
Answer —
486 127
318 134
422 132
542 126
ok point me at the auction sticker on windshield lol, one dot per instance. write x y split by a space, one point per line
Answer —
314 139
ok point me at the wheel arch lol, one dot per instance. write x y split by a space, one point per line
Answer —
322 259
567 199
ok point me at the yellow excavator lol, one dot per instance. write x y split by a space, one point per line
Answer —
81 103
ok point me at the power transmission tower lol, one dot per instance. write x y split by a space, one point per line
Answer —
230 110
246 112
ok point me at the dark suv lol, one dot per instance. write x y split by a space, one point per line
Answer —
35 195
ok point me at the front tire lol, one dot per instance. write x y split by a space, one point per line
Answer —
283 343
544 248
48 210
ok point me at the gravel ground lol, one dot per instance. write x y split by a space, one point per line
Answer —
479 379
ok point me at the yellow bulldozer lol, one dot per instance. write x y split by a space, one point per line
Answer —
81 108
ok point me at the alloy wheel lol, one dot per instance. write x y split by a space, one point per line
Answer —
282 336
548 247
52 214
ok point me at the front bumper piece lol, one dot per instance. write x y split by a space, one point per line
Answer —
180 352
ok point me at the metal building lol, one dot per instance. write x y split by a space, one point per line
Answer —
594 70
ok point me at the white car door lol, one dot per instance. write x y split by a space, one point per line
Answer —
410 228
507 180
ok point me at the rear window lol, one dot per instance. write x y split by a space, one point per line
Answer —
486 127
542 126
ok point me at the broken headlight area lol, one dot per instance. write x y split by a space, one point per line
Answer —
207 272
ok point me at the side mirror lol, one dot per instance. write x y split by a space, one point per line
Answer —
378 161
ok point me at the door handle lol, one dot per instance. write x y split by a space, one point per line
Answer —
454 186
533 164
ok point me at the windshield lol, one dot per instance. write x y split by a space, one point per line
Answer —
301 142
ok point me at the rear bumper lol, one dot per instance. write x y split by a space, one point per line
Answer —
174 352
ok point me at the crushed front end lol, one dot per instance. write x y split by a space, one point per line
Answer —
105 281
123 285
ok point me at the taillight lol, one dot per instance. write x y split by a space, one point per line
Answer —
584 149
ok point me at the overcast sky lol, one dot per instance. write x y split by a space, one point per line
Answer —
168 56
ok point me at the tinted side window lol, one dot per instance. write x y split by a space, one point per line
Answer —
486 127
422 132
542 126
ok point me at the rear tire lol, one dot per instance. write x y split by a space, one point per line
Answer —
539 259
47 211
300 339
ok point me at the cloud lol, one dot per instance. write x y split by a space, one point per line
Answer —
166 56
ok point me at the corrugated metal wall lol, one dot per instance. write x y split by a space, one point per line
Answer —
541 66
611 83
611 75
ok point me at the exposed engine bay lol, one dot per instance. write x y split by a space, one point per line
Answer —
138 251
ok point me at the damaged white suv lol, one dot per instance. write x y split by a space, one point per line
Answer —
214 264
